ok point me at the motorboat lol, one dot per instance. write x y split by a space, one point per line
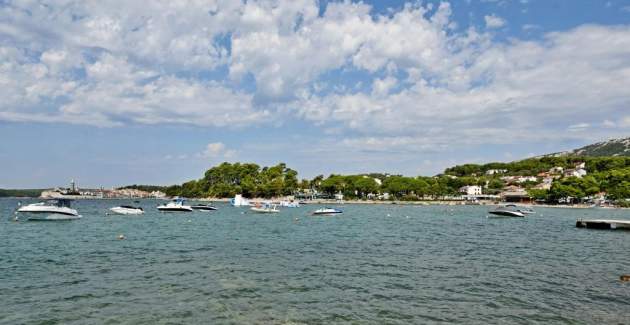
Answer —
326 212
507 211
239 201
523 210
265 208
290 204
176 205
203 207
127 210
49 210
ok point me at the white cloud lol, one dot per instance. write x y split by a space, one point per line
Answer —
578 127
229 64
217 150
494 21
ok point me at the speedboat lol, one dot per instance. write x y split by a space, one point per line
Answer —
239 201
265 208
176 205
203 207
507 211
50 210
326 212
127 210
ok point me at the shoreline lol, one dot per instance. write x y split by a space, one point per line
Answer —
361 202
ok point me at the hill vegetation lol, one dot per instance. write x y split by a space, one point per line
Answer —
609 148
20 193
605 174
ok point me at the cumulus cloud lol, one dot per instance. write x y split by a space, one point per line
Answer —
217 150
494 21
229 63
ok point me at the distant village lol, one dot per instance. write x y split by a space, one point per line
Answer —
74 192
514 191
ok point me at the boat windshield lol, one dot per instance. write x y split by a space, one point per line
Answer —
62 203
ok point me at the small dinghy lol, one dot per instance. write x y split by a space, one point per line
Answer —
265 208
326 212
127 210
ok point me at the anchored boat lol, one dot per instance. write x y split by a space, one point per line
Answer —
50 210
176 205
506 212
127 210
326 212
265 208
239 201
203 207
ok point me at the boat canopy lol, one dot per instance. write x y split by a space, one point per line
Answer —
60 202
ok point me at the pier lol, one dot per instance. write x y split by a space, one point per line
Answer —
603 224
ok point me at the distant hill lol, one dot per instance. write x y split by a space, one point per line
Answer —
20 192
610 148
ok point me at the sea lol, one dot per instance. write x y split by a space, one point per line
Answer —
373 264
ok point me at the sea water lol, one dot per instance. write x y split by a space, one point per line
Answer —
374 264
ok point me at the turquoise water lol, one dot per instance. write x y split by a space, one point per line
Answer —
384 264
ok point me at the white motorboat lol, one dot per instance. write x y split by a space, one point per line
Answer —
176 205
506 211
127 210
265 208
239 201
50 210
523 210
326 212
203 207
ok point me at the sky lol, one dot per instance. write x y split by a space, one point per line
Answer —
111 93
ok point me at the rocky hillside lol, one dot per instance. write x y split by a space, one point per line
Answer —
610 148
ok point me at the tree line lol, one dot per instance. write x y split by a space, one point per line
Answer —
609 174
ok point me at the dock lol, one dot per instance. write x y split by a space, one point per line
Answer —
603 224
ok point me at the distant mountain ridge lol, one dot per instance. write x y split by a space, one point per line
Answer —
610 148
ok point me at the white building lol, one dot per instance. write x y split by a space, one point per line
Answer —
523 179
579 173
470 190
495 171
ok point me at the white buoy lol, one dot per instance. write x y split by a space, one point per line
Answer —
121 237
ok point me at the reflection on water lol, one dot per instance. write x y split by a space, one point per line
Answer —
373 264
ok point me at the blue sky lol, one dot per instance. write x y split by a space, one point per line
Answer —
114 93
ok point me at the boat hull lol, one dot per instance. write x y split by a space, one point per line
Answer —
173 209
507 214
203 208
126 211
51 217
327 212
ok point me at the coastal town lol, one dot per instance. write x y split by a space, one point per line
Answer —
466 184
74 192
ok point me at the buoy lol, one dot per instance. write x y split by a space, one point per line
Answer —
121 237
389 215
625 277
189 220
